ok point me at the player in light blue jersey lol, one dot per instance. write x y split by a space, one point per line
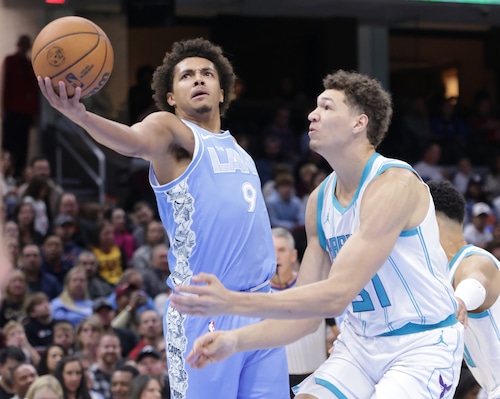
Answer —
373 249
475 274
209 199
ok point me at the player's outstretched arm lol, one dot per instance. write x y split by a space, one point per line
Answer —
395 201
477 283
148 139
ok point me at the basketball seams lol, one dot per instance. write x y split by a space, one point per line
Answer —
62 37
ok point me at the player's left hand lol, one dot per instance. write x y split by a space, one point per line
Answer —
208 299
462 312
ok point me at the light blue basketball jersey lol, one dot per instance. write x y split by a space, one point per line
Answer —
217 222
482 335
411 291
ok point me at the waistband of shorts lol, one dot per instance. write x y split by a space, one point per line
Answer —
412 328
264 287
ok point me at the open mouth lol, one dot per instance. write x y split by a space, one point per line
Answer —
199 94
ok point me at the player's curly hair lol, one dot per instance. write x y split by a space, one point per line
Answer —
366 95
162 82
447 200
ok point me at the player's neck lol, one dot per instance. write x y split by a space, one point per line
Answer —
349 173
452 243
209 121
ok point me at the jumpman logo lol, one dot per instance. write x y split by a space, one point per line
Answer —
445 387
441 340
327 220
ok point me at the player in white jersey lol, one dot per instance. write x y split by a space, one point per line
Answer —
209 199
373 248
475 274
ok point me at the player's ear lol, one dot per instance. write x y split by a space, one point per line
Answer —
221 100
170 99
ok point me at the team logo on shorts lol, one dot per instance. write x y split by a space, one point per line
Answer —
55 56
444 387
211 326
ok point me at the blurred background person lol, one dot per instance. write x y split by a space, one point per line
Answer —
121 380
13 306
45 387
49 359
10 357
145 387
15 335
69 373
88 333
39 322
22 377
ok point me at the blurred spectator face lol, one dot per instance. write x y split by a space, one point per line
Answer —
5 370
15 336
64 336
77 285
41 168
144 215
26 215
109 350
152 390
42 312
53 249
464 166
161 346
159 258
89 262
150 325
480 222
16 286
72 374
12 249
120 384
11 229
69 205
118 219
150 365
88 334
65 232
85 367
107 236
285 191
53 356
22 378
6 161
31 258
106 315
155 233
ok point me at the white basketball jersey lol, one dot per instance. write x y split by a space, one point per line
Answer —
411 291
482 335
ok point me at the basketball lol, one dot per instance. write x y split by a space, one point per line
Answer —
76 51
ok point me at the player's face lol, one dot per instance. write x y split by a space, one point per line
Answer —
331 122
196 88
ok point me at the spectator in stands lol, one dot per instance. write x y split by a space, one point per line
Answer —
270 157
25 219
31 260
110 258
40 323
96 285
34 194
22 377
131 282
50 358
143 215
463 175
64 227
108 358
88 333
428 166
155 234
492 178
129 300
15 335
69 373
10 357
123 237
68 205
415 127
52 250
88 379
41 167
156 274
45 387
121 380
475 193
477 232
64 335
106 314
13 306
149 362
73 304
285 208
150 330
145 387
13 252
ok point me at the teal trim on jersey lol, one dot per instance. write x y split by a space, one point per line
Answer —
366 171
412 328
319 211
480 251
458 254
409 233
468 358
481 315
332 388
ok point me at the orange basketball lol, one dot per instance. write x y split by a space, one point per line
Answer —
76 51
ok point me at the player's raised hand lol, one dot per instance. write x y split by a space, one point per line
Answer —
71 107
211 348
208 299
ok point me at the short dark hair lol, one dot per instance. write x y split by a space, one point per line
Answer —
447 200
163 76
128 368
36 299
12 352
